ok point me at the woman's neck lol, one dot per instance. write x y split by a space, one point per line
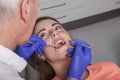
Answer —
61 68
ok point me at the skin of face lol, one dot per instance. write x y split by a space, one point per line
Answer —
53 33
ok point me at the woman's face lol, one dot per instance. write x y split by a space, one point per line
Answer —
56 38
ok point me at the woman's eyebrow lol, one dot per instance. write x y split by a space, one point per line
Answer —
54 24
41 31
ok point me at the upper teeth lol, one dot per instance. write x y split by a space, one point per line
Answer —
59 43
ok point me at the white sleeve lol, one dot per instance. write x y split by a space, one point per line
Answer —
8 72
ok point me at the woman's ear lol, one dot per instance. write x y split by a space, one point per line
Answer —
41 56
25 9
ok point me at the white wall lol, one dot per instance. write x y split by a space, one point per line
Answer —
105 36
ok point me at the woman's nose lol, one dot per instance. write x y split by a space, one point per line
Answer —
54 34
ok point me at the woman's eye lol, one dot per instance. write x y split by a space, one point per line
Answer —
43 35
58 28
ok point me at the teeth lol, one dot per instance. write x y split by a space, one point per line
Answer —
59 43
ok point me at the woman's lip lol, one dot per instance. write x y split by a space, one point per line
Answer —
56 43
60 47
56 40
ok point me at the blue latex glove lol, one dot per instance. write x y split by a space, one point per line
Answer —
27 49
81 58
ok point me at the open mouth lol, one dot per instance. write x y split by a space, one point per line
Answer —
59 44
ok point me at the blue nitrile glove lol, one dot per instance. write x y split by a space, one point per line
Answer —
26 50
81 58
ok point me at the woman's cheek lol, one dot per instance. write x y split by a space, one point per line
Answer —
48 50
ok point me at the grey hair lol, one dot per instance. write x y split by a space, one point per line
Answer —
7 7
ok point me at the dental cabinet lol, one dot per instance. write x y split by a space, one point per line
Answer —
70 10
93 7
64 10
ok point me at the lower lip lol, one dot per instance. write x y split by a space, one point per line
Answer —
60 46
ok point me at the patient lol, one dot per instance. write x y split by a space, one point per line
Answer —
54 62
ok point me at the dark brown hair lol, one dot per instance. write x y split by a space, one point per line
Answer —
46 72
45 69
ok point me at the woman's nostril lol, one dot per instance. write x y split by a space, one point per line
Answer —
53 35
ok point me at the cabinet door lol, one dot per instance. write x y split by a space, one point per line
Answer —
57 6
93 7
70 10
117 3
69 15
63 10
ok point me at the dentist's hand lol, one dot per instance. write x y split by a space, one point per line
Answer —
26 50
81 58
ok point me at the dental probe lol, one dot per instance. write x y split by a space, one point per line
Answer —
86 46
30 42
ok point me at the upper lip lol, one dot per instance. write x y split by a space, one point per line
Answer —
58 42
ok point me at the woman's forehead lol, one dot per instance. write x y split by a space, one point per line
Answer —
46 23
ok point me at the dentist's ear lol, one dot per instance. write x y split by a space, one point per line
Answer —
25 9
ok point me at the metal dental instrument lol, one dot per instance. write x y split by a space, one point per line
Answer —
46 45
30 42
92 48
51 46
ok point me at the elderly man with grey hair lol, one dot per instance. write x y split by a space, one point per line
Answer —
17 19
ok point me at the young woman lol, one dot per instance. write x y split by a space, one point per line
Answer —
59 60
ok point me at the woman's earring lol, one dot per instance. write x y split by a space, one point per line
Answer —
43 60
42 57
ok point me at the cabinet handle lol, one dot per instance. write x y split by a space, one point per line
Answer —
118 2
59 5
61 17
